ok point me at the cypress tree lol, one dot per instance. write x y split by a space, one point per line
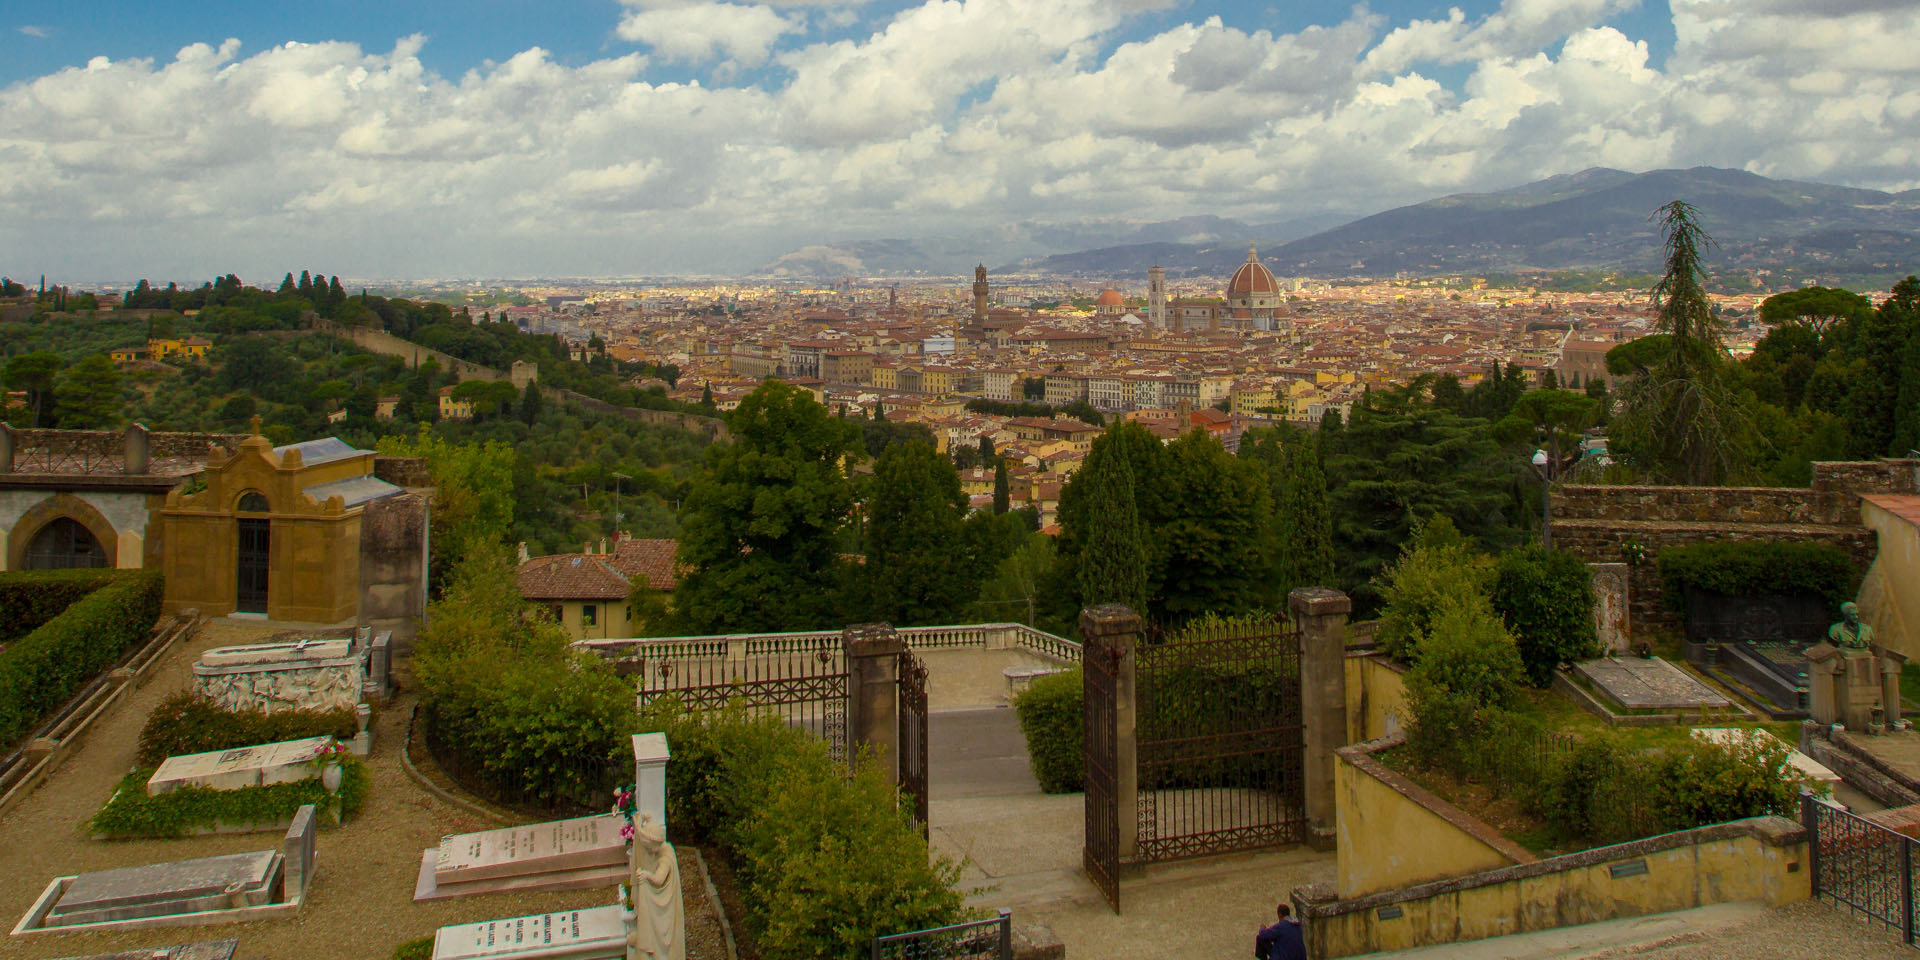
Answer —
530 403
1113 568
987 453
305 288
1002 491
287 288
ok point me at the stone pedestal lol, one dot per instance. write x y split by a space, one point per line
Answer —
1824 689
873 694
650 756
1861 674
1321 616
1891 665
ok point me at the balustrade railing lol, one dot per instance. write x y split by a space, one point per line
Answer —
742 646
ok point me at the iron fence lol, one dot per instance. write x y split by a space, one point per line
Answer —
799 678
977 940
571 787
1860 865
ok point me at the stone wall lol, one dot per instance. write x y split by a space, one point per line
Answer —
393 566
1596 523
409 472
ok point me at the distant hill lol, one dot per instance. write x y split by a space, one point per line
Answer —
1004 248
1596 218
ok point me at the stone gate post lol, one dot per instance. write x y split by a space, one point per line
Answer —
1320 614
873 694
1113 630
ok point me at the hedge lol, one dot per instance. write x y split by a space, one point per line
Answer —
180 812
1759 568
42 670
825 861
29 598
1052 722
1546 598
189 722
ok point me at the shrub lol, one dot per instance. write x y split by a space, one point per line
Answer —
182 811
826 862
1546 598
1469 654
1053 725
420 949
188 722
30 598
1573 795
42 670
1698 783
1759 568
1438 566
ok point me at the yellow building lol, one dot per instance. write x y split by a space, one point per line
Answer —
451 409
275 531
886 376
588 593
192 348
1250 397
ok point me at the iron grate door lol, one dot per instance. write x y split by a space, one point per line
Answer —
250 584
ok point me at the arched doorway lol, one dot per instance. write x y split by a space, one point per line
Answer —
253 555
64 544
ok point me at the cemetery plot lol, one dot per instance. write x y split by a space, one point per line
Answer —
558 855
1631 683
284 762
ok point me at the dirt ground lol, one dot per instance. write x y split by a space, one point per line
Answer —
361 902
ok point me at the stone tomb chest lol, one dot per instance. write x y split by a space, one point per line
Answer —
596 933
288 761
302 674
558 855
186 886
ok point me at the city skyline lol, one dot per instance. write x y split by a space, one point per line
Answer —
656 137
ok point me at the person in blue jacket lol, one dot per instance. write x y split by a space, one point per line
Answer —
1282 941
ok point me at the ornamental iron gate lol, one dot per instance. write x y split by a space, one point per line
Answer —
1860 865
1101 853
913 735
1222 741
803 682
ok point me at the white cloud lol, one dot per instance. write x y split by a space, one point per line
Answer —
950 116
695 32
33 31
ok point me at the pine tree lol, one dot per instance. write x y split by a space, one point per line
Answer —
1002 490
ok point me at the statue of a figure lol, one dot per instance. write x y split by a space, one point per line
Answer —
1850 633
659 921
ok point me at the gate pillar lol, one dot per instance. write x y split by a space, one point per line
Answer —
873 707
1113 630
1321 616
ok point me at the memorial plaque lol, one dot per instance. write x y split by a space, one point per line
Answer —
298 852
537 848
596 932
284 762
184 886
208 950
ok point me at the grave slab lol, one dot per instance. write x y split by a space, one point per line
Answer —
208 950
596 933
184 886
285 762
310 674
1650 684
572 854
1733 736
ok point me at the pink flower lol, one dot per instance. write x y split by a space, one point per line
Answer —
626 832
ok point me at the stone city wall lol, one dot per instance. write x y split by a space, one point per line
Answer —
1597 523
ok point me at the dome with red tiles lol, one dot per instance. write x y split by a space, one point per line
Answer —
1110 298
1252 278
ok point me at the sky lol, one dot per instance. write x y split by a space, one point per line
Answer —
518 138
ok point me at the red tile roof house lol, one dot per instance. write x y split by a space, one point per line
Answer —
588 593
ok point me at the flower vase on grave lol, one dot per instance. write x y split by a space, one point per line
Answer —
330 777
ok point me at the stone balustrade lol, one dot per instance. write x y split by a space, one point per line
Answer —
742 646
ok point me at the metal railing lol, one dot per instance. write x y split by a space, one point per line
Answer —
977 940
741 646
1860 865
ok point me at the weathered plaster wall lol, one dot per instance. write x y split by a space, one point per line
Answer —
1376 696
1763 859
1890 595
1393 833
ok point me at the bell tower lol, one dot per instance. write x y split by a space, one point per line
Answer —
1157 297
980 295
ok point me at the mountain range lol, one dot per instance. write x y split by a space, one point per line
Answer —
1594 219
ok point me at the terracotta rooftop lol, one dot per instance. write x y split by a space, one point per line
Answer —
651 559
571 576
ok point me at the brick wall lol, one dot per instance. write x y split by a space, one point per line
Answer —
1596 523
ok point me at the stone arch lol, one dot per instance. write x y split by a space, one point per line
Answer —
52 508
252 501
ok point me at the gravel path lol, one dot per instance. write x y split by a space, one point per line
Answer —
361 904
1798 931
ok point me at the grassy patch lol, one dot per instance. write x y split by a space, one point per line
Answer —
183 811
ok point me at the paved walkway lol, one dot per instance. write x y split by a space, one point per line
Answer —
1728 931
